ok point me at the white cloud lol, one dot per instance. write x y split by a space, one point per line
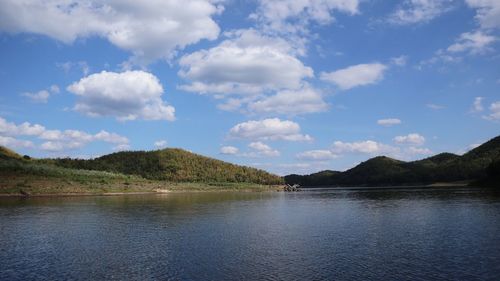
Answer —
72 139
300 168
54 140
24 129
413 139
121 147
229 150
477 106
419 11
262 149
434 106
356 75
291 102
38 97
103 136
389 122
247 63
399 61
43 95
15 143
419 151
150 29
128 95
160 144
68 66
289 16
476 42
488 12
317 155
269 129
494 111
368 147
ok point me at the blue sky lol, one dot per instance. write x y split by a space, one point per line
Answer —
286 86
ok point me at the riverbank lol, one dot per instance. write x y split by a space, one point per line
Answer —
15 184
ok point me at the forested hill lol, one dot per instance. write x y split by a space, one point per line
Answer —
481 165
170 164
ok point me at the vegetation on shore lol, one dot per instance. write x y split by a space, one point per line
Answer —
479 166
155 171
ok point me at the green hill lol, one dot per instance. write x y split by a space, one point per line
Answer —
478 165
323 178
171 164
132 171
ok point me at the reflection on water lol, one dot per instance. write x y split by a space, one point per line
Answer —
397 234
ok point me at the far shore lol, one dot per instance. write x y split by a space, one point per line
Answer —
201 188
19 185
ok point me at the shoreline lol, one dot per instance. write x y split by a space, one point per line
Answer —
117 193
226 189
19 195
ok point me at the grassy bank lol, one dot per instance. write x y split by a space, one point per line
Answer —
17 184
22 175
34 178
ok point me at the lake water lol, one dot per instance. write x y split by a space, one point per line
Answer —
411 234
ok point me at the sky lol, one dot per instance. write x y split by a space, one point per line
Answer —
288 86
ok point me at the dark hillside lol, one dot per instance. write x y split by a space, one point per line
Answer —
171 164
479 163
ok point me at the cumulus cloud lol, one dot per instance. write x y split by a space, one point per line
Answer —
374 148
477 105
389 122
262 149
368 147
419 151
54 140
160 144
269 129
69 65
229 150
15 143
121 147
127 95
494 111
412 139
289 16
247 63
300 168
253 73
317 155
488 12
356 75
476 42
291 102
150 29
419 11
399 61
43 95
38 97
24 129
434 106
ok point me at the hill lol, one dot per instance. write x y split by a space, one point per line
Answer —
479 165
171 164
131 171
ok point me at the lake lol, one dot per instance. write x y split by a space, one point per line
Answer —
350 234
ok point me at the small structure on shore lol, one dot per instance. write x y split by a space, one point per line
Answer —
24 193
291 188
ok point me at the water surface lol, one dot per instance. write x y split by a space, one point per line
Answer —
397 234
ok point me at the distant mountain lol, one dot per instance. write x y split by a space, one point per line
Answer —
171 164
481 165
